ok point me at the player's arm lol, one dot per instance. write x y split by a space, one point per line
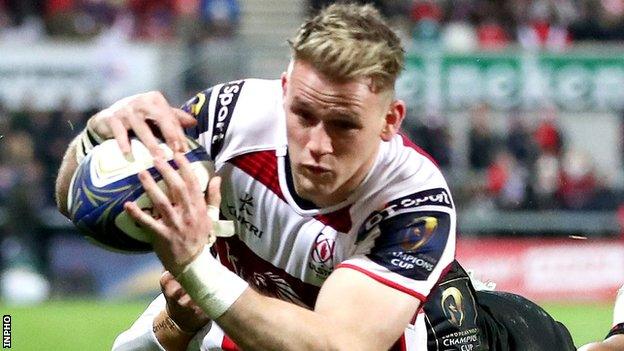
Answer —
66 170
143 114
353 312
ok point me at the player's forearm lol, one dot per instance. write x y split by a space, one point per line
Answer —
66 170
257 322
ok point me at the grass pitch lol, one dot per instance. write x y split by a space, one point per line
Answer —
93 325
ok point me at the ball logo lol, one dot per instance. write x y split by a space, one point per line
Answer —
453 306
423 229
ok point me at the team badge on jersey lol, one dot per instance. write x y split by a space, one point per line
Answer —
322 255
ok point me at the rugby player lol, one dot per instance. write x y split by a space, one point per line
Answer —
344 227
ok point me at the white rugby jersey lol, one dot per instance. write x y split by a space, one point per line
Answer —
397 227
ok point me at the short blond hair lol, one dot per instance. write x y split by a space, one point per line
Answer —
349 41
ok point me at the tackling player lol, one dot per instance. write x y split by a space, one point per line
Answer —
344 227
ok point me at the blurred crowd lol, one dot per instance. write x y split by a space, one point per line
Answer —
525 166
29 20
486 24
497 24
31 149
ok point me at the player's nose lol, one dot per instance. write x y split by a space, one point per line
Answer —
319 142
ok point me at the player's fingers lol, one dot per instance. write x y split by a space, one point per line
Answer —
189 177
145 219
173 290
120 133
185 300
165 277
145 134
186 119
160 201
213 195
172 131
175 184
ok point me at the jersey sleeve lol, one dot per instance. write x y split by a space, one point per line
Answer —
140 336
409 243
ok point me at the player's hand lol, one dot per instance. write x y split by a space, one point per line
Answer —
140 113
183 227
180 307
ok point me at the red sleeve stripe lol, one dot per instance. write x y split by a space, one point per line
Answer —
384 281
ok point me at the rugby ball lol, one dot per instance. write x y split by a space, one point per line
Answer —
106 179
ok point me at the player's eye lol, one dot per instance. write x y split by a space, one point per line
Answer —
345 125
305 117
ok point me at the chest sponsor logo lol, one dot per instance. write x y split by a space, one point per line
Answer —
434 197
322 255
244 214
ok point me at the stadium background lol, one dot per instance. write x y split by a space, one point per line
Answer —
521 103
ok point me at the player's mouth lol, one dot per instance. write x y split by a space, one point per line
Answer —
316 170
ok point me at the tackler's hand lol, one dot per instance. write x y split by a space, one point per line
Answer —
182 310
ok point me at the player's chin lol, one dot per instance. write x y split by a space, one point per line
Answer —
314 187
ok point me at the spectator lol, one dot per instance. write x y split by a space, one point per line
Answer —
481 140
518 140
220 17
492 35
507 181
577 181
433 136
546 181
547 135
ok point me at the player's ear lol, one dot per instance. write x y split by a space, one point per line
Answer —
284 79
393 119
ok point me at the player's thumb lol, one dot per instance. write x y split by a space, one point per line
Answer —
213 195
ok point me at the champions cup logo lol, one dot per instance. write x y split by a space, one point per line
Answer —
424 227
453 306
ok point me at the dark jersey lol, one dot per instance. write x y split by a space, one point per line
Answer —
459 318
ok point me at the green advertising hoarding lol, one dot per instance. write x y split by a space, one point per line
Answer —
574 81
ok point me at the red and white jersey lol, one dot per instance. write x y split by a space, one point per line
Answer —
398 227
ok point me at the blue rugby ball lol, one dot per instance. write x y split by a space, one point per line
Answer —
105 180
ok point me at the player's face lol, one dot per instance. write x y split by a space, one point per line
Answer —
334 131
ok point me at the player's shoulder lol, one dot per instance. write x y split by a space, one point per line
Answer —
402 168
404 179
238 115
